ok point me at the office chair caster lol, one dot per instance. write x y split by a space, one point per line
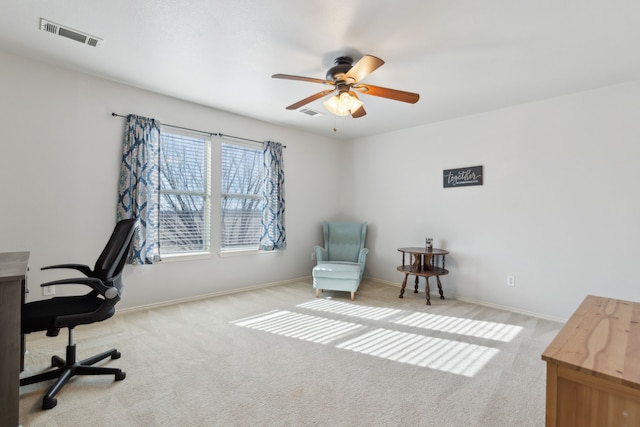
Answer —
120 375
57 362
49 402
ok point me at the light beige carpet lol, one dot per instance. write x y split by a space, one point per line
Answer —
278 356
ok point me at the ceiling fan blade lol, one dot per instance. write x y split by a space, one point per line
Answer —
303 79
360 111
367 65
397 95
309 99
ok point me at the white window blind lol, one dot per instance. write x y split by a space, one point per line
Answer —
185 196
242 204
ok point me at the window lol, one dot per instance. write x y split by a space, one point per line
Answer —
185 196
242 201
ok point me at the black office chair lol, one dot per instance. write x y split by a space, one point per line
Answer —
68 312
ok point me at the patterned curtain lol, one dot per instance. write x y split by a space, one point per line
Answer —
138 190
273 234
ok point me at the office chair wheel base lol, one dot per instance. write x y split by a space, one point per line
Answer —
49 402
116 355
121 376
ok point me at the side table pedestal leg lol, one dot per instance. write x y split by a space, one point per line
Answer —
404 284
427 291
440 287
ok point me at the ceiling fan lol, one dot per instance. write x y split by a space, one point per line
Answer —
345 80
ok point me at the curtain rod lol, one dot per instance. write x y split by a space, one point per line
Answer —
203 132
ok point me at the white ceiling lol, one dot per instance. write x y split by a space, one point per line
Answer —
462 56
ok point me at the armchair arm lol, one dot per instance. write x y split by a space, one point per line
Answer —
84 269
362 257
321 254
92 282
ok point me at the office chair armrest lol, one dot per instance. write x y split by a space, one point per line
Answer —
84 269
92 282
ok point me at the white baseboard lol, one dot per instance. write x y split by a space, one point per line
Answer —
308 279
212 294
512 309
483 303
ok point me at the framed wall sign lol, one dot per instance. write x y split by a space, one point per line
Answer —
462 177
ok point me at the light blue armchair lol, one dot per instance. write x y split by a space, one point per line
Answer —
341 260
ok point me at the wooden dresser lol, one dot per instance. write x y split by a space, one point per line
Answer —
593 366
13 275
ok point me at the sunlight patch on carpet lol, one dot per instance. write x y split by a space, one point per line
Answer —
435 353
457 325
300 326
361 311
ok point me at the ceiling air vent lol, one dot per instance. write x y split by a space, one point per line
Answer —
53 28
310 112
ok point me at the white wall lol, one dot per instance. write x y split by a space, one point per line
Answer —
559 208
59 171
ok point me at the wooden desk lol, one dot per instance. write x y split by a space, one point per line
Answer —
13 276
593 366
425 263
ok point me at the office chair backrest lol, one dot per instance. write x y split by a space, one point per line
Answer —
111 261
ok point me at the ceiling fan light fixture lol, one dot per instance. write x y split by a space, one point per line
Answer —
342 104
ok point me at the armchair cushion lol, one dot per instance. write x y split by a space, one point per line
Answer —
337 270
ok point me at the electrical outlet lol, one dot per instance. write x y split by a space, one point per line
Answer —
511 280
49 290
313 256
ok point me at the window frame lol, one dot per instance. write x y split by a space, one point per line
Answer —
240 249
205 194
